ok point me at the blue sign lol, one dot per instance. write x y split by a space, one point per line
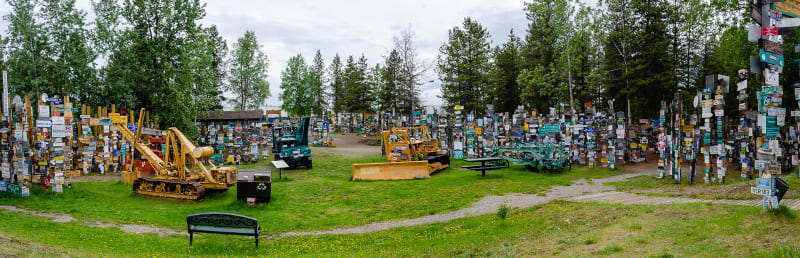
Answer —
589 129
325 125
656 122
386 115
764 182
56 101
133 127
470 118
270 119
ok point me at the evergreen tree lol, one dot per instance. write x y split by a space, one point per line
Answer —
390 89
248 75
543 84
463 66
506 68
377 84
336 72
358 96
317 87
296 85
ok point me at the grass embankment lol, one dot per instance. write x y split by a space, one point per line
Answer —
555 229
317 199
735 189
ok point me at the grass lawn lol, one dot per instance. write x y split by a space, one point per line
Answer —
317 199
735 188
556 229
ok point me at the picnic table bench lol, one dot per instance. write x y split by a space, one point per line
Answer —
222 223
490 163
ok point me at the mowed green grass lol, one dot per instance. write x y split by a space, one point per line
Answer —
322 198
559 228
733 188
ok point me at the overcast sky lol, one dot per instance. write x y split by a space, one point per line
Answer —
288 28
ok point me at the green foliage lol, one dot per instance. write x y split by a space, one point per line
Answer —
502 211
296 83
783 211
317 90
336 73
248 77
390 89
358 95
463 66
610 250
507 65
543 84
154 50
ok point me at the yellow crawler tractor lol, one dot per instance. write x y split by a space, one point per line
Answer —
182 174
411 153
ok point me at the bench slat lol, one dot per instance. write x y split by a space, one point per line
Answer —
486 168
227 231
221 220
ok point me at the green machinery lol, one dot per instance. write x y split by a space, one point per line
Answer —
534 156
290 144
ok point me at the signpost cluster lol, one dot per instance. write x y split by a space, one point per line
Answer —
771 25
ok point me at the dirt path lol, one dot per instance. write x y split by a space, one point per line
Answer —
348 146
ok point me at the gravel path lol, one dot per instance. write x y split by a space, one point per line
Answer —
486 205
630 198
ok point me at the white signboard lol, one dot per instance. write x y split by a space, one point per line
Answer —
771 78
760 191
59 131
57 120
43 123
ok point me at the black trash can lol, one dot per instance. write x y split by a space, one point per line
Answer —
256 185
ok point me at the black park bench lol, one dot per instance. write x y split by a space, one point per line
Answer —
222 223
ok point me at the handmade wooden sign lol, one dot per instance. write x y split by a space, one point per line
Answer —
770 46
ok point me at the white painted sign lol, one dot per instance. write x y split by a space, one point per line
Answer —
760 191
771 78
43 123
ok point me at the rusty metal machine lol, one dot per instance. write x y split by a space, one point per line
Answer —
411 153
182 174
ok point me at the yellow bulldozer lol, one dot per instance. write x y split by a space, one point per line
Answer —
411 153
182 174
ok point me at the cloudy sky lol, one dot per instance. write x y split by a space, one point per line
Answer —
288 28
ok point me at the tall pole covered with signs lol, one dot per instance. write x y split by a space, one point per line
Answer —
771 25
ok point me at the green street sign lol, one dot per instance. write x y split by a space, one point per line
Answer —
770 58
772 127
769 90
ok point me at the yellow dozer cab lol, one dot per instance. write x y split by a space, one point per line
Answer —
411 153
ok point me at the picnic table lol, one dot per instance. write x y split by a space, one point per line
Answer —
489 163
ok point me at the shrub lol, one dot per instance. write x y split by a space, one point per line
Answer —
502 211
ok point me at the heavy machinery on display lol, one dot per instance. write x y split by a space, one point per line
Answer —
411 153
290 144
534 156
182 174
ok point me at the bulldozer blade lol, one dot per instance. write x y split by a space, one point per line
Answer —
391 171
